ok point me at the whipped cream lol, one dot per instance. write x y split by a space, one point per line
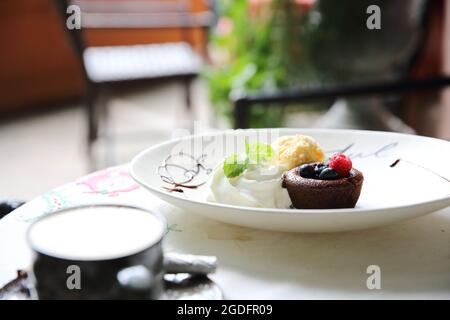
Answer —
259 186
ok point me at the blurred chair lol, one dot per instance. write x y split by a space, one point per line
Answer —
379 62
244 101
110 67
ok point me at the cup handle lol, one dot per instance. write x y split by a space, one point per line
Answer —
135 278
139 277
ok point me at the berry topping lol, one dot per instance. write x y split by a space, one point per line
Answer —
328 174
318 168
317 171
307 171
341 164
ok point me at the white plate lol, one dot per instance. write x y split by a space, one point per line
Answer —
417 185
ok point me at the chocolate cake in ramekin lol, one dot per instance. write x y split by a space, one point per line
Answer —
311 193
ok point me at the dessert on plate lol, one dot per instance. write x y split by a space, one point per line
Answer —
319 185
290 173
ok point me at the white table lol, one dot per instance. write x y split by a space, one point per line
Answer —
414 256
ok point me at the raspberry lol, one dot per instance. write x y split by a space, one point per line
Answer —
340 163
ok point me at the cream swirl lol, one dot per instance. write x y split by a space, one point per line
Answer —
259 186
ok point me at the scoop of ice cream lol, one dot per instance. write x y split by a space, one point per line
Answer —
259 186
293 151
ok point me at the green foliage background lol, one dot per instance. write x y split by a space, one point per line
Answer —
265 53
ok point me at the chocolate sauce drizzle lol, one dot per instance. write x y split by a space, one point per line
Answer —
189 173
392 165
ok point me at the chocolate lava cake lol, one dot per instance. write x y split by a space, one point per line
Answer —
317 186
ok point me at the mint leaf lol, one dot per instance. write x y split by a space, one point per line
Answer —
255 153
234 165
259 152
